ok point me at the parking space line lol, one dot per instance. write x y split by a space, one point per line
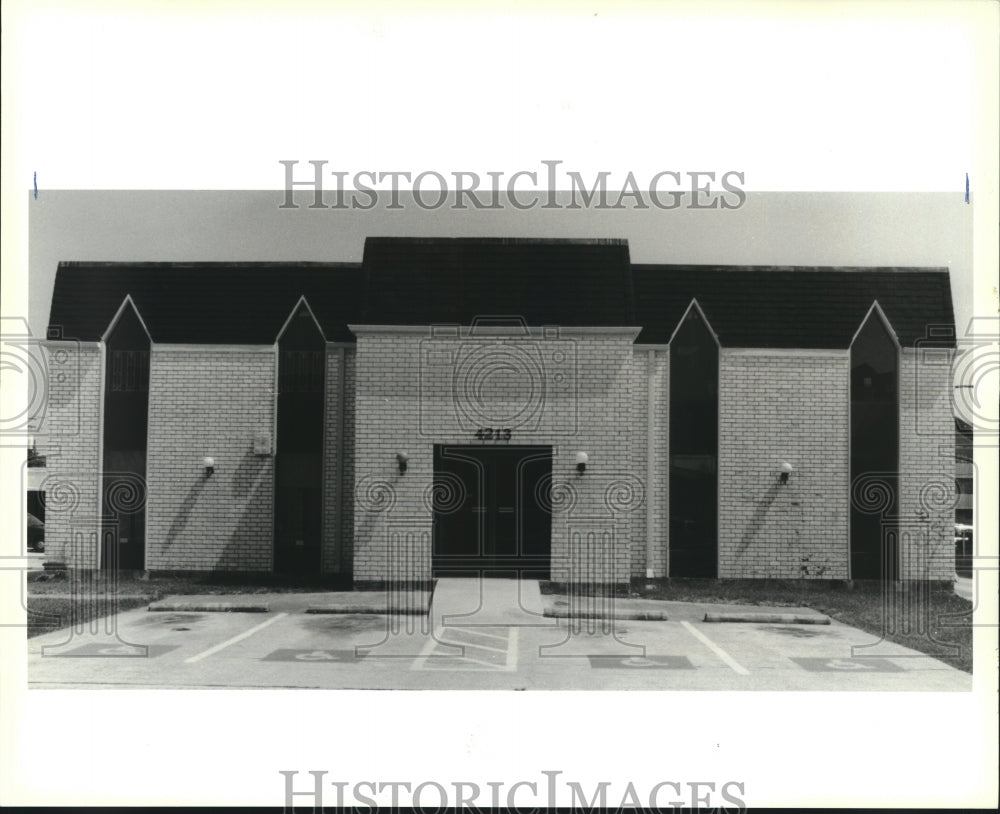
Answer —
470 658
420 662
475 632
722 654
492 665
244 635
459 643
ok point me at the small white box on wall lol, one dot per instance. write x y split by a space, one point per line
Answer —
262 443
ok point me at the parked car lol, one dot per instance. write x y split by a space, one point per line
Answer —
36 533
963 550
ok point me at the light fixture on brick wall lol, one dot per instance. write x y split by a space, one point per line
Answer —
401 459
786 470
209 464
581 462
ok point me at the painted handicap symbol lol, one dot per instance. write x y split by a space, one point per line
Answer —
121 650
641 662
824 664
316 655
291 654
844 664
106 650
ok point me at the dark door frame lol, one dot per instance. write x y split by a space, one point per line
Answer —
487 510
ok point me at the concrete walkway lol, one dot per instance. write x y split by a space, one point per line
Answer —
486 602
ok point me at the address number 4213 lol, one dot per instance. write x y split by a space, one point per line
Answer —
493 434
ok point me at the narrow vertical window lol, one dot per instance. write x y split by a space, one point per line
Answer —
694 448
299 458
874 451
126 409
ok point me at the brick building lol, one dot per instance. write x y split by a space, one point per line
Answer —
542 406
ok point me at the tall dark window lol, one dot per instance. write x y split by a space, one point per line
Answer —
874 452
299 459
126 409
694 448
128 371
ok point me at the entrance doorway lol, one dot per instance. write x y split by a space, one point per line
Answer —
492 511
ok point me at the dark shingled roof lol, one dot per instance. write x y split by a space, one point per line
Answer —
412 281
785 307
420 281
239 303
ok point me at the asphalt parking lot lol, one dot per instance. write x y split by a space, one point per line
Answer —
475 637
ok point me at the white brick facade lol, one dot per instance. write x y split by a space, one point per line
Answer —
784 407
415 389
926 465
338 461
651 398
70 439
210 401
583 389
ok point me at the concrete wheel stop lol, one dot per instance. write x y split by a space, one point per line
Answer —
770 618
383 610
209 607
560 612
